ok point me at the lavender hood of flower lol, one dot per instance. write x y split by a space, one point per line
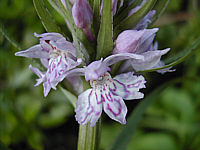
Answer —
141 43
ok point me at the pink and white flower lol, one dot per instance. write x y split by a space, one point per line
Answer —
56 54
107 93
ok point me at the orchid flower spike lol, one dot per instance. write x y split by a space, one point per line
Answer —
141 43
83 16
107 93
56 54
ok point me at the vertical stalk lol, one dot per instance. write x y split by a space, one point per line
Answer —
89 137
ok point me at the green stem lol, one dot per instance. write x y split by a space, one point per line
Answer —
89 137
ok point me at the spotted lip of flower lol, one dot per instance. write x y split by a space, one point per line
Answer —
107 93
56 54
141 43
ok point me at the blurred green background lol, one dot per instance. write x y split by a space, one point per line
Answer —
28 121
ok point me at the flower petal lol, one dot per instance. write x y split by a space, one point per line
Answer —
115 108
128 40
38 73
71 73
134 10
52 36
44 62
151 58
82 14
146 41
114 6
63 44
95 70
121 56
88 108
162 71
127 86
47 88
33 52
143 24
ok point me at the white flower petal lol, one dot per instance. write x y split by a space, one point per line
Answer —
88 107
115 108
112 59
151 58
33 52
47 88
127 86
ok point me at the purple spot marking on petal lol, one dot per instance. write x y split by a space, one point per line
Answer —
98 102
115 87
59 61
119 108
97 113
126 91
109 97
135 85
102 98
66 65
92 108
56 74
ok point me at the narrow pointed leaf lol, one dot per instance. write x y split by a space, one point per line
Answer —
124 10
96 16
131 21
123 139
53 3
105 36
91 2
180 57
55 6
47 20
163 6
70 97
5 33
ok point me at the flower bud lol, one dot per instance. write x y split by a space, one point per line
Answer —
133 41
83 15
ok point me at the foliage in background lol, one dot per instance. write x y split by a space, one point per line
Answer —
172 122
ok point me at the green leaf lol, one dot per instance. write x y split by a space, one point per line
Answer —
96 16
5 33
53 3
124 10
163 6
47 20
135 18
123 139
105 36
55 6
180 57
70 97
91 2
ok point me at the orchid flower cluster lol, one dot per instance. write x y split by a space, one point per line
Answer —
134 48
